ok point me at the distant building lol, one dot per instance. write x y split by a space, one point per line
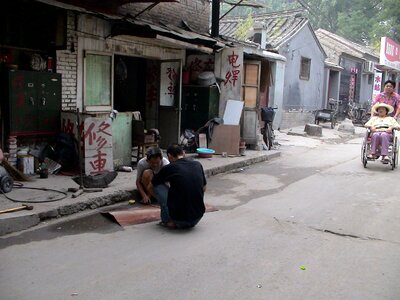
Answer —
351 68
290 34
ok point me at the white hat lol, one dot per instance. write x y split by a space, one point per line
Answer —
388 107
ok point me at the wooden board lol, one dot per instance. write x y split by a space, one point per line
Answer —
226 138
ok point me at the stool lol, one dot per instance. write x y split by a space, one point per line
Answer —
142 149
141 140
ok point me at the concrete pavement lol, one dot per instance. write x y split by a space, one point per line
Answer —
123 187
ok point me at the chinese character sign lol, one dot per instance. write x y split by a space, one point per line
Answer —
233 71
377 83
200 63
152 84
169 82
231 62
97 138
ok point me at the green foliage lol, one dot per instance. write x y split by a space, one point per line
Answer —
243 28
390 18
361 21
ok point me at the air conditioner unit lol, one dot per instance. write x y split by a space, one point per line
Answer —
368 67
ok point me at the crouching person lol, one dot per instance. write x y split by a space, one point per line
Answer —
182 204
146 168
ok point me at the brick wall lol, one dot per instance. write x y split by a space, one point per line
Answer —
195 12
67 66
295 118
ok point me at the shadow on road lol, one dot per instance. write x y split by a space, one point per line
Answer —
95 223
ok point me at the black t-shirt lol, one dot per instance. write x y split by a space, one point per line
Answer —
185 195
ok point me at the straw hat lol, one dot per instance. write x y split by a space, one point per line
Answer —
388 107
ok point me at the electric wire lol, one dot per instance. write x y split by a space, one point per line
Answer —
20 186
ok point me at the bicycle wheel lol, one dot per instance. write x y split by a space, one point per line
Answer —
333 123
268 136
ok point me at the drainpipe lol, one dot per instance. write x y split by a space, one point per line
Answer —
215 18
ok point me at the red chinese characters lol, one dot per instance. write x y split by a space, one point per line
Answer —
171 73
97 138
232 75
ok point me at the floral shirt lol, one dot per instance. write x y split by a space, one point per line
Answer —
394 101
382 124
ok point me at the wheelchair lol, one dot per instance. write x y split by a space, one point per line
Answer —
366 150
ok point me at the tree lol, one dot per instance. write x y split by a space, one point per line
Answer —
358 20
389 19
244 28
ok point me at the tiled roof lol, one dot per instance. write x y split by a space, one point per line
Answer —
279 26
335 45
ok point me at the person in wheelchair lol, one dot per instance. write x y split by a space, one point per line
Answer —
381 126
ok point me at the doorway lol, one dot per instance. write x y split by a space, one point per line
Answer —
129 83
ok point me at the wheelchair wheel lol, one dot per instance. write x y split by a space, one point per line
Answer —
364 154
395 154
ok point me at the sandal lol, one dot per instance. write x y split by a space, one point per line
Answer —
371 156
385 158
169 225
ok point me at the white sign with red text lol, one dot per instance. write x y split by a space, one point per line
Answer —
377 84
390 53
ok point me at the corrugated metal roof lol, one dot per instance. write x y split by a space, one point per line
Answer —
335 45
279 26
109 7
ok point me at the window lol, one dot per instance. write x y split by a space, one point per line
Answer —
305 68
98 82
250 85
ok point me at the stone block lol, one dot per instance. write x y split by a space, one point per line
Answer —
313 129
347 126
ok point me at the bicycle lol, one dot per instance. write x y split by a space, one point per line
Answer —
268 115
358 114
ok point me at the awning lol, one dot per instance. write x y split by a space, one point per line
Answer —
263 54
167 33
333 66
109 7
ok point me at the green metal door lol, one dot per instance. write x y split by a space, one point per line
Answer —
34 102
48 101
22 103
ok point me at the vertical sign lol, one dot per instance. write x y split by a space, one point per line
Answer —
169 80
152 84
377 83
231 70
97 138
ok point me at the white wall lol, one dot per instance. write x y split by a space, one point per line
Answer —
303 94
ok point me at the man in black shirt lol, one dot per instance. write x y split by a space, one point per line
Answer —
185 197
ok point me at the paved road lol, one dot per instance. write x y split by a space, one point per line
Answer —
313 224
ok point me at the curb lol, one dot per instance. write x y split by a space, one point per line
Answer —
19 223
229 167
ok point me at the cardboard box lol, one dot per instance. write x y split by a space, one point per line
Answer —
225 138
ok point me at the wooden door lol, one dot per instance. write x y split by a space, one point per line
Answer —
250 95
